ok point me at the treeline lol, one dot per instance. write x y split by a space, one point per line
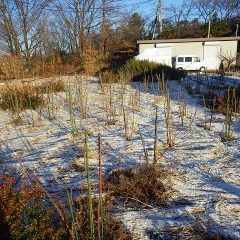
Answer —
48 37
190 19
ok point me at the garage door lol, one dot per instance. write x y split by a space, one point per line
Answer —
211 55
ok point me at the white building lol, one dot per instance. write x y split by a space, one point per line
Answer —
207 49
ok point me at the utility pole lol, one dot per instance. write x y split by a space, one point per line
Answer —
209 23
158 20
209 27
160 17
237 31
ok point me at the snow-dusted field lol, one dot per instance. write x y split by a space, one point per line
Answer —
207 170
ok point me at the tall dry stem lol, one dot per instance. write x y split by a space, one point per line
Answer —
100 197
90 206
170 136
227 135
144 147
155 137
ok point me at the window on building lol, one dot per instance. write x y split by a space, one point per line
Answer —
188 59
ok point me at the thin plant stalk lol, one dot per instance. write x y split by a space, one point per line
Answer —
144 147
90 207
74 225
205 113
155 137
100 200
211 119
71 111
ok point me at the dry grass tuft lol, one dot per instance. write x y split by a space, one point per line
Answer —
143 187
55 85
109 77
11 67
18 96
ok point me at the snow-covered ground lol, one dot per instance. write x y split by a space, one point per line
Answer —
207 173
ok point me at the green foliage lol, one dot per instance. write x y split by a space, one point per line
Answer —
131 31
220 29
170 32
139 70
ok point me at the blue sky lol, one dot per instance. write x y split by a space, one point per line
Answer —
146 6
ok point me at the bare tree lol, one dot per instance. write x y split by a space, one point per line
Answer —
223 9
21 25
227 57
9 36
78 18
179 13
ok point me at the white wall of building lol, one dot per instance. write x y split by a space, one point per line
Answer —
207 51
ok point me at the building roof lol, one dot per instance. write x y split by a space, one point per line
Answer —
189 40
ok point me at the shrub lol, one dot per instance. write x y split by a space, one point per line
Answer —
11 67
53 85
109 77
113 229
23 214
144 186
17 97
92 61
139 70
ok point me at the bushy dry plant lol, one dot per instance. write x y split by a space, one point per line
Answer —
135 100
23 214
128 111
52 67
227 133
227 104
130 126
182 106
11 67
92 61
109 104
52 85
170 135
71 108
109 77
113 229
18 96
81 98
140 187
